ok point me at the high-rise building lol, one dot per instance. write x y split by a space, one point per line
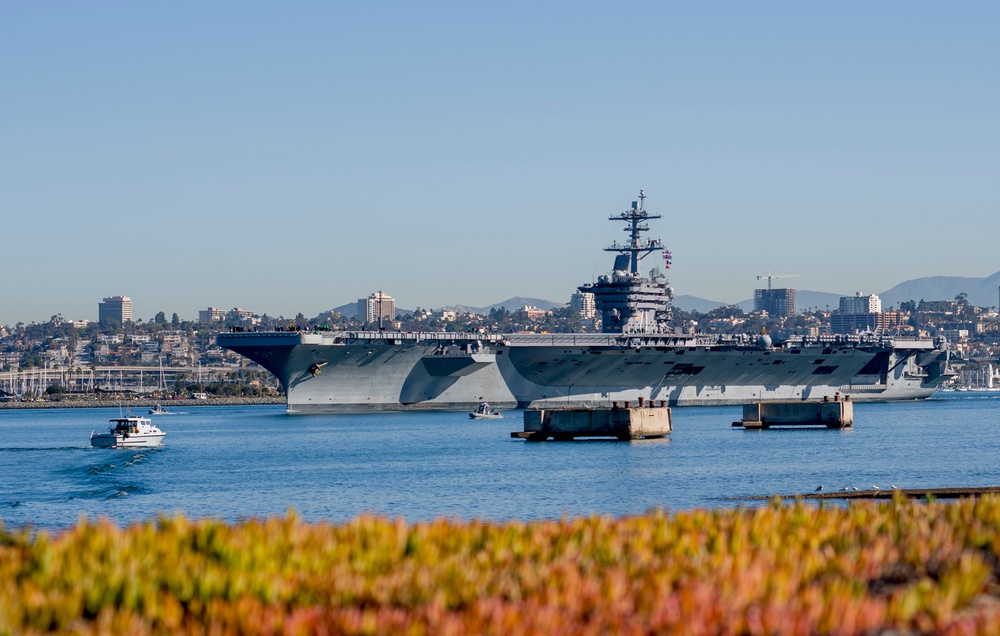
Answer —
376 308
210 315
776 302
584 305
858 304
859 313
115 310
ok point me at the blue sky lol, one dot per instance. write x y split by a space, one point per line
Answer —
291 157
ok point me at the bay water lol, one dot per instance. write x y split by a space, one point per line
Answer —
239 462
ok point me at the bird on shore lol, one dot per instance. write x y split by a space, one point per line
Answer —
847 488
820 489
874 487
855 488
894 486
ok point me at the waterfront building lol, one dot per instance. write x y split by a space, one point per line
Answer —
376 308
115 310
776 302
858 304
584 305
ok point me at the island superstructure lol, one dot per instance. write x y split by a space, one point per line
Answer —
638 355
628 301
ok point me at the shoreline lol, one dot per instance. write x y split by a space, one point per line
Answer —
167 404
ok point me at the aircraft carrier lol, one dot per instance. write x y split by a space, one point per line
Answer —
638 355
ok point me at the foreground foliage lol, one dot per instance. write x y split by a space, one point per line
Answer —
781 569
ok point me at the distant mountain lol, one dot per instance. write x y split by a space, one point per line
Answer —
804 299
981 291
511 304
350 310
693 303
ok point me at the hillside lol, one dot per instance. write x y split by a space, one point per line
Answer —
981 291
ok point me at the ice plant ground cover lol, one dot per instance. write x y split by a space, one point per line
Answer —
785 568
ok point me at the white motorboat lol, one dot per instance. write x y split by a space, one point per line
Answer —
484 412
158 410
128 432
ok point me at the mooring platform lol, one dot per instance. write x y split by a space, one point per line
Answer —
838 413
624 422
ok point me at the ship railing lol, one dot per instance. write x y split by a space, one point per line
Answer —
635 339
611 340
422 336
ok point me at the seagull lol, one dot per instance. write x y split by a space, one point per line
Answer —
856 488
820 489
894 486
847 488
874 487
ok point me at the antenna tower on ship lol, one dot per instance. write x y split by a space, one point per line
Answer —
637 247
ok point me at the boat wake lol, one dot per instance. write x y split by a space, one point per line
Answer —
133 458
29 449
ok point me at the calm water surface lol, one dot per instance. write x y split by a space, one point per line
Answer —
239 462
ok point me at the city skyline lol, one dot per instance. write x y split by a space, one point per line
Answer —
291 159
930 289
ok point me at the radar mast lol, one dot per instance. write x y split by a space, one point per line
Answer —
637 248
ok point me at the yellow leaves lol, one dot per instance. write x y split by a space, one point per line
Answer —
786 568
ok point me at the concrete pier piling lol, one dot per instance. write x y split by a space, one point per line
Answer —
836 413
621 421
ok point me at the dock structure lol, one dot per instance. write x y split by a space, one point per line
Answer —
621 421
883 494
838 413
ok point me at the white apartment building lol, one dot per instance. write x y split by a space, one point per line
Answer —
584 305
859 304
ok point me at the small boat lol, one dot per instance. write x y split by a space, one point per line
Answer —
158 410
128 432
484 412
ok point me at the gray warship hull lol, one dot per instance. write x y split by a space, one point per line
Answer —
350 372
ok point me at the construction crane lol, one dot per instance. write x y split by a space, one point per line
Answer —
769 276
